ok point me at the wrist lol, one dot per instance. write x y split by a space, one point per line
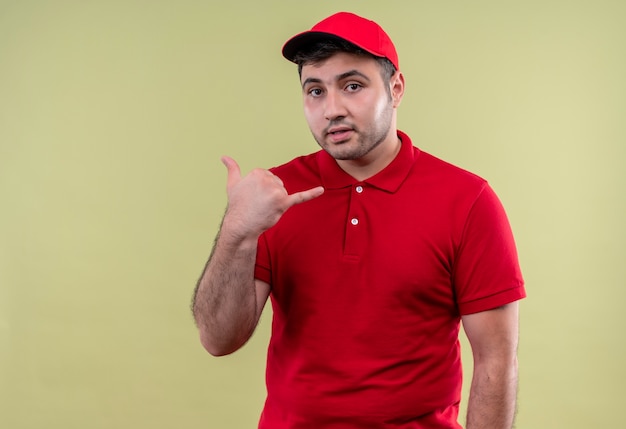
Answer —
235 233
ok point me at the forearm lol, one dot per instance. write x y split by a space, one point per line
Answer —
493 396
224 304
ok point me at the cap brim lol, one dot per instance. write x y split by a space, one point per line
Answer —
297 42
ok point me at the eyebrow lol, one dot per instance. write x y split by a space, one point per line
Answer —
340 77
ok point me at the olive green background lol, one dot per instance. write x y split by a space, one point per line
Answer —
113 116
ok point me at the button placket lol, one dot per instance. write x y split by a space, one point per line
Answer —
355 233
359 190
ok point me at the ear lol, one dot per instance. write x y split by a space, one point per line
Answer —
396 85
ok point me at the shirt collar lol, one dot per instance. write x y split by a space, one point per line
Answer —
388 179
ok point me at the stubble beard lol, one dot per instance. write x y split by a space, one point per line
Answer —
365 141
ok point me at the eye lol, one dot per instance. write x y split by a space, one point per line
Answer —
315 92
353 87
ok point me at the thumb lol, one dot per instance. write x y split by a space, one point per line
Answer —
234 172
303 196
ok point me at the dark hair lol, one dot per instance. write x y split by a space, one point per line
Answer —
322 50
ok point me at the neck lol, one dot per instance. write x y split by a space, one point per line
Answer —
375 161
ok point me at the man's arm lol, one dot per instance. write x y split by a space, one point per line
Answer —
228 301
493 336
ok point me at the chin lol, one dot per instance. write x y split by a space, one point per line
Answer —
344 155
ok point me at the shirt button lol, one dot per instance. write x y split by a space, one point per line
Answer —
354 221
359 189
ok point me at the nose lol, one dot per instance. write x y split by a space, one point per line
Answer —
333 106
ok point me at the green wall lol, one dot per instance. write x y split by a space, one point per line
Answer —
113 116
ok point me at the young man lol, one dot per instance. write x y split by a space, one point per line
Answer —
373 252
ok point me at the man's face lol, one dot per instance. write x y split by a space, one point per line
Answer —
348 107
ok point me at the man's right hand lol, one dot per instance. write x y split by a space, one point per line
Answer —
258 200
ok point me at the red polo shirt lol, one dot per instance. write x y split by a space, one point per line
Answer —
368 285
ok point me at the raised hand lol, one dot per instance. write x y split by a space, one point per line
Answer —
258 200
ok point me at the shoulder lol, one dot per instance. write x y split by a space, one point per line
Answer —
443 176
434 165
435 170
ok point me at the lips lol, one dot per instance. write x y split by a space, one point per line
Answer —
334 130
338 134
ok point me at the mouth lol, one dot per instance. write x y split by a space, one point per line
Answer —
338 134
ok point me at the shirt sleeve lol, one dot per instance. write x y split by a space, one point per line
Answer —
262 269
486 273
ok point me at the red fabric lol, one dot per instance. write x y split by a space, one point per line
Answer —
366 316
357 30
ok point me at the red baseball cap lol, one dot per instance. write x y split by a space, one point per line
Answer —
359 31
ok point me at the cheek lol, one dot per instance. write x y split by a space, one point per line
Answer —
381 106
310 114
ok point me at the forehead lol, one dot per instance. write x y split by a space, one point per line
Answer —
339 63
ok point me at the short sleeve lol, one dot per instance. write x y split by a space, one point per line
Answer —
486 273
262 269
